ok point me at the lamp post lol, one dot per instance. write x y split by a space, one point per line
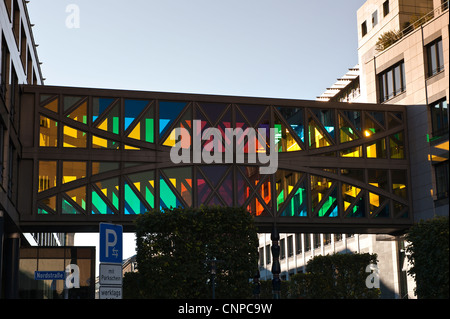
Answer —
213 262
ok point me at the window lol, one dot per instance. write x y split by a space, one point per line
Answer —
364 28
374 18
307 242
441 171
392 81
298 244
290 246
261 257
282 248
268 260
4 68
385 8
435 57
439 118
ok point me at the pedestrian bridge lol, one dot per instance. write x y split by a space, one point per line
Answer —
95 155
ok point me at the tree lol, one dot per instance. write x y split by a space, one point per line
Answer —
428 253
387 39
175 247
337 276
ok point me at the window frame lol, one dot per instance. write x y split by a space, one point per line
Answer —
388 87
439 118
435 50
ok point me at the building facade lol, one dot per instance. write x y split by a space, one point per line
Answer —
411 71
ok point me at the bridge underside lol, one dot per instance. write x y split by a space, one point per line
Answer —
92 155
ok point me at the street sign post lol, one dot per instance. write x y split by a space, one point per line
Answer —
111 255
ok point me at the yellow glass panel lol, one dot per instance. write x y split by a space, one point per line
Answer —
79 196
73 171
98 142
50 202
136 132
129 147
352 152
374 200
52 106
316 137
47 175
80 114
349 194
74 137
48 132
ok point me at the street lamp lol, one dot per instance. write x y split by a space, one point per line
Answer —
213 262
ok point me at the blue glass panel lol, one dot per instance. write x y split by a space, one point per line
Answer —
133 204
168 112
132 110
99 105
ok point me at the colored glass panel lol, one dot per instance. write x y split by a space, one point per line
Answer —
79 114
144 182
399 182
132 109
355 118
349 194
383 212
48 132
99 105
167 199
346 131
226 190
297 206
317 138
375 202
145 128
68 209
285 182
110 189
50 202
78 196
181 180
394 120
212 111
326 118
378 178
396 146
352 152
319 187
371 127
203 189
329 207
102 167
131 148
47 175
294 117
111 121
100 142
377 149
359 209
70 101
255 208
284 138
52 106
252 112
186 123
74 138
168 112
243 188
133 204
99 206
73 171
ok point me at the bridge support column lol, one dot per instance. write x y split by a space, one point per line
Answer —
276 269
11 265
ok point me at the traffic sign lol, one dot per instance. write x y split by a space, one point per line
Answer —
111 243
110 274
110 292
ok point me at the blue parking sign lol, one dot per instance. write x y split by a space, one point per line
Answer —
111 243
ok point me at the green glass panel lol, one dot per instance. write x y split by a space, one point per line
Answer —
167 199
285 182
42 211
133 204
297 206
99 206
329 208
319 187
68 209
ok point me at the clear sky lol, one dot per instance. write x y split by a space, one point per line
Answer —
263 48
